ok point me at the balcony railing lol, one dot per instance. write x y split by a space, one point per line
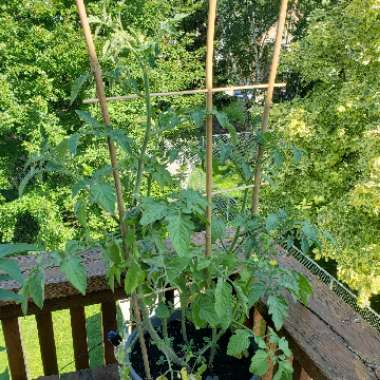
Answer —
328 338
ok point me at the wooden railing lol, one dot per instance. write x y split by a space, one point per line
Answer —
329 340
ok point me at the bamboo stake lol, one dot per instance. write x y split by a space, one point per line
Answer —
268 103
186 92
104 108
209 118
112 151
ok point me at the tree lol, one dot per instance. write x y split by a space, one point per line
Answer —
335 125
42 54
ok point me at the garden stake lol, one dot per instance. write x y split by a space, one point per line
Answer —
112 151
105 114
268 104
209 118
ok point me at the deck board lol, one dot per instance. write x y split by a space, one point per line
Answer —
335 337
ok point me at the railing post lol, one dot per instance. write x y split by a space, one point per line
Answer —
299 371
78 330
109 323
47 344
13 344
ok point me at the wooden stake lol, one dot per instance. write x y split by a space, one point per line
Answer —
209 118
112 150
268 103
186 92
104 108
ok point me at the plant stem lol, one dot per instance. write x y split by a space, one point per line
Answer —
183 318
237 232
213 347
207 347
183 325
164 323
268 104
148 128
140 330
161 344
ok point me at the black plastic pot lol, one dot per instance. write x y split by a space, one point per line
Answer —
133 339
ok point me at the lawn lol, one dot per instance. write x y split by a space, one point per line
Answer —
63 339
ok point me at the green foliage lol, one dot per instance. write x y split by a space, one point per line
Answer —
239 343
44 76
72 267
335 183
104 195
180 230
134 278
278 309
259 363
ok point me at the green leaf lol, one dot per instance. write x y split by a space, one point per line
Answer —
196 318
80 185
224 122
87 118
207 310
304 288
104 195
243 299
194 202
180 230
80 211
272 222
162 176
113 252
238 343
283 345
259 363
8 295
198 118
134 278
203 262
36 287
256 292
223 299
152 211
310 232
73 142
218 228
260 342
278 309
121 139
72 267
284 371
77 85
162 311
12 268
26 179
16 248
175 267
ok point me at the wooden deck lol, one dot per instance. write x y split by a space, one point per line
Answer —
328 338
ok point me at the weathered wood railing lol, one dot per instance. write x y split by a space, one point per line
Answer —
59 294
329 340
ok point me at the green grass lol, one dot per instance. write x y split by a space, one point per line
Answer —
63 339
